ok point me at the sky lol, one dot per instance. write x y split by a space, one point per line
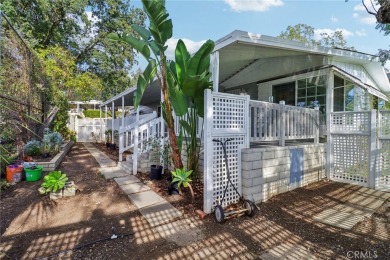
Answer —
195 21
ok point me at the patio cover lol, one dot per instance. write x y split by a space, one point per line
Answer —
246 58
152 95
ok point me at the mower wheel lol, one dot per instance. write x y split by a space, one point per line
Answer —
250 207
219 214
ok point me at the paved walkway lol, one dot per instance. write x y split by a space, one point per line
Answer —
160 214
363 203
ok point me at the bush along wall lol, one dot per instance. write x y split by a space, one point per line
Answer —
92 113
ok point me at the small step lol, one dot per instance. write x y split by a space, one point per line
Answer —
127 166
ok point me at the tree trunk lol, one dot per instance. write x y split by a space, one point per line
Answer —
176 156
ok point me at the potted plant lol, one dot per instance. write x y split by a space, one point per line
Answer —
108 137
113 144
156 152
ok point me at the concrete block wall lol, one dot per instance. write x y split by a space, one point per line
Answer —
266 171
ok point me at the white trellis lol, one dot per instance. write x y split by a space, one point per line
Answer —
383 159
226 116
353 147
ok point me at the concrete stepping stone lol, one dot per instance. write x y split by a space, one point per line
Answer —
113 172
338 218
126 180
145 199
160 213
134 188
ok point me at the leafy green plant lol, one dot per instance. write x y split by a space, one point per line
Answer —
4 184
91 113
182 83
51 142
159 151
32 148
182 177
54 181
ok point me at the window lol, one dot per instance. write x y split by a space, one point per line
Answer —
312 92
348 97
286 92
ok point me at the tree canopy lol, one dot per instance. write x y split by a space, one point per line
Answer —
80 27
306 34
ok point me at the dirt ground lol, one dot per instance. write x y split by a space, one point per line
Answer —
34 227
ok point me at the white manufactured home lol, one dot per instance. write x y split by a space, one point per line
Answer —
297 113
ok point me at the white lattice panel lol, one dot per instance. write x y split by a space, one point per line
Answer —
226 116
220 179
229 112
383 166
350 122
351 158
384 120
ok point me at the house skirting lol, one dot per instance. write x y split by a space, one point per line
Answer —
268 171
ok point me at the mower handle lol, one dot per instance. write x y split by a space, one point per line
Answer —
227 140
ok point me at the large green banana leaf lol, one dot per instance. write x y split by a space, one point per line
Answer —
181 57
140 45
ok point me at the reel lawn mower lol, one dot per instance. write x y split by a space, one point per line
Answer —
242 207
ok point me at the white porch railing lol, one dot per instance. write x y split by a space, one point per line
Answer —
185 117
278 122
146 127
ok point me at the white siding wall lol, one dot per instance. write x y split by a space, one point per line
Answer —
357 71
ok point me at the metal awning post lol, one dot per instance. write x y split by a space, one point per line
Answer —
112 122
135 150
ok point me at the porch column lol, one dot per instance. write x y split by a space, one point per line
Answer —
123 111
112 122
282 123
120 131
135 149
329 110
101 125
215 70
105 121
373 150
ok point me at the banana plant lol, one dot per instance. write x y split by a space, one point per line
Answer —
192 76
153 42
182 82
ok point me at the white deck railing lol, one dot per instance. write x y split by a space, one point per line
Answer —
146 127
278 122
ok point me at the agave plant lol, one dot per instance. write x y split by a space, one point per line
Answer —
54 181
182 177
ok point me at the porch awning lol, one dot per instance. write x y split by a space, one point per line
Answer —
371 89
152 95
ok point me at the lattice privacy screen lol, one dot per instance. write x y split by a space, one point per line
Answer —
351 158
383 166
220 179
226 117
351 146
350 121
384 121
383 158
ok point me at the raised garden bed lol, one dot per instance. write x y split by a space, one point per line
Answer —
56 160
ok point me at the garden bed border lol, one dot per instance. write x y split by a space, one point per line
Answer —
53 164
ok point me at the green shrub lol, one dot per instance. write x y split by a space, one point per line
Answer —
92 113
32 148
